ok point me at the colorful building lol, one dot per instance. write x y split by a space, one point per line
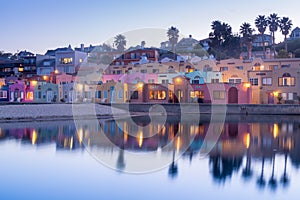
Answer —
21 92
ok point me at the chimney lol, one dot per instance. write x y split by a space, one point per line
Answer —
82 47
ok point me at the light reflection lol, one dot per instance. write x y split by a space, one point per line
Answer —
275 130
247 140
34 137
140 139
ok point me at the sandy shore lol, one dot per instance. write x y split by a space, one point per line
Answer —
30 112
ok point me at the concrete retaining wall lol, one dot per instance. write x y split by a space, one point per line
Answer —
246 109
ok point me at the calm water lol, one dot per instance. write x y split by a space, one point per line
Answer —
254 157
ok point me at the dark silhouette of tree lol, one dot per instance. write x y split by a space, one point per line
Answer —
261 23
120 42
285 25
247 37
223 44
273 23
173 35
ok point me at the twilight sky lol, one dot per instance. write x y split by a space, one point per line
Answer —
38 25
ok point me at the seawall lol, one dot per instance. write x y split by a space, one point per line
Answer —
244 109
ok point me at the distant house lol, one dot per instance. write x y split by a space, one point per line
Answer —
45 92
10 68
295 34
69 61
258 40
20 92
137 56
186 45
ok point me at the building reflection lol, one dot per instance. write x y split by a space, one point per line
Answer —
243 148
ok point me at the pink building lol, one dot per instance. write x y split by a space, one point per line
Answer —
21 92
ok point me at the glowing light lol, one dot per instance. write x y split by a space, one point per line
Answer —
33 83
247 140
79 87
21 69
275 93
275 130
247 85
178 80
140 139
140 85
56 71
45 77
34 137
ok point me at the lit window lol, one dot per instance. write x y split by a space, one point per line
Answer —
157 95
29 95
286 80
219 94
66 61
80 60
199 94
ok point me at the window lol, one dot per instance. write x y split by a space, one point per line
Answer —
157 94
266 81
66 60
151 81
218 94
105 94
144 71
253 81
288 96
223 69
165 81
134 95
155 71
119 71
120 94
98 94
239 67
285 66
29 95
273 67
214 80
80 60
199 94
3 94
235 80
286 80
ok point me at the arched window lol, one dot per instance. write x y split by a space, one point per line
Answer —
286 80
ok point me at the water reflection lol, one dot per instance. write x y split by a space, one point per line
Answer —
254 148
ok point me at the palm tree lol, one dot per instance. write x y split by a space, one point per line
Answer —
173 35
285 25
273 22
261 23
247 37
120 42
